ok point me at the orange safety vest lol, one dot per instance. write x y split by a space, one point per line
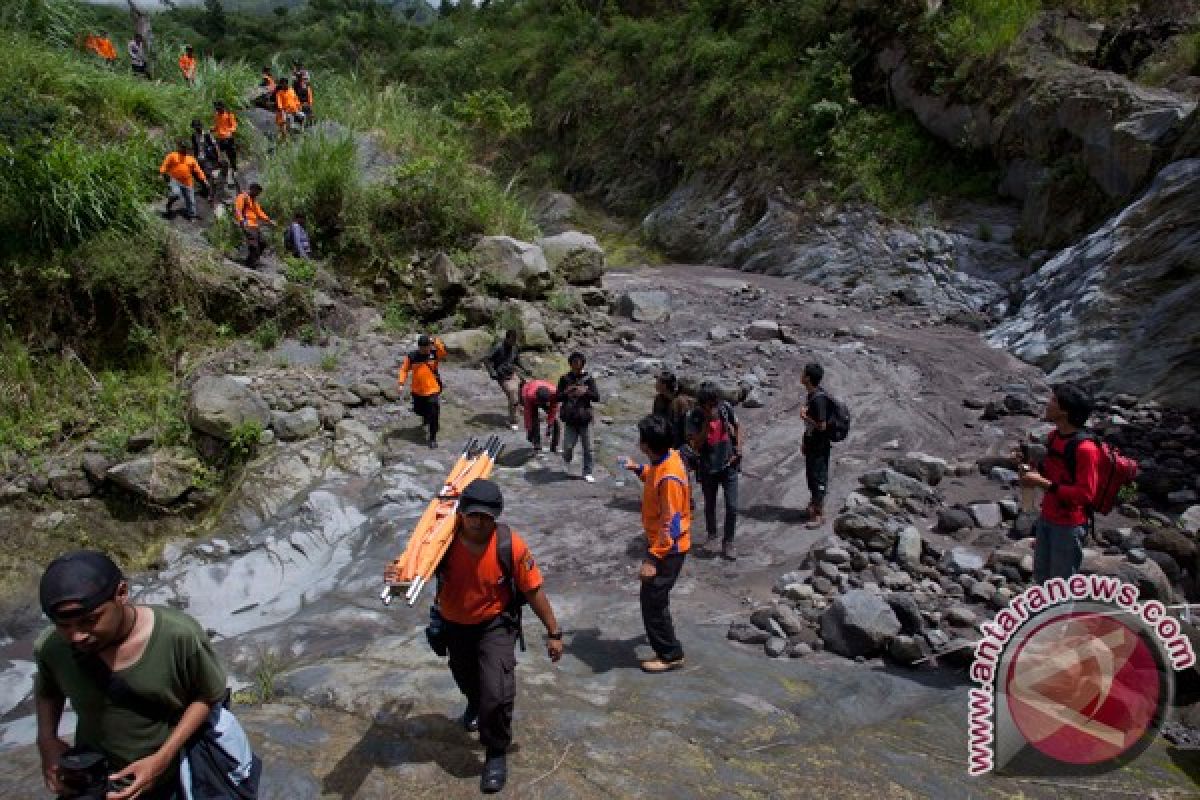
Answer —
425 380
286 102
247 210
224 124
188 65
667 522
181 168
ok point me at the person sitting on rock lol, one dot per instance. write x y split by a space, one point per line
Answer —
577 391
539 395
817 445
142 679
485 574
422 365
715 441
667 522
502 365
1069 477
250 217
181 171
673 405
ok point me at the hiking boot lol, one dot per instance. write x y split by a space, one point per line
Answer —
728 552
495 773
589 479
656 665
469 720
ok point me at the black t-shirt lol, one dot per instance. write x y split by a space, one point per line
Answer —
504 360
820 409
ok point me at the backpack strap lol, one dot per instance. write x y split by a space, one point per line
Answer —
1072 447
504 554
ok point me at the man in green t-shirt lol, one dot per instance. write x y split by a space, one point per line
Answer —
142 679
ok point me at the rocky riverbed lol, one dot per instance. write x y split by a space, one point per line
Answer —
344 699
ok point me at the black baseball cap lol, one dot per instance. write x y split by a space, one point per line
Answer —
87 577
481 497
424 341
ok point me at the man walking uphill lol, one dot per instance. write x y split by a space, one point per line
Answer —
482 580
422 364
502 365
142 679
716 441
577 392
817 444
1062 526
667 521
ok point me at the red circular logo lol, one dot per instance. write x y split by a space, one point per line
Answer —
1083 688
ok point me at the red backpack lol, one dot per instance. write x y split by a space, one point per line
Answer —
1116 471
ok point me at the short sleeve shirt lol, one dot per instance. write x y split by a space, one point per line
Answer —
474 589
177 668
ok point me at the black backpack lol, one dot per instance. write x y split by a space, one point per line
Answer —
838 425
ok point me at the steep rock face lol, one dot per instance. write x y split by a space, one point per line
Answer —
1076 142
733 224
1120 306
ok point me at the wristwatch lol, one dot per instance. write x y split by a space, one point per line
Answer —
557 637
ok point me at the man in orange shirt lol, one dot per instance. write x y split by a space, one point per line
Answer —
287 105
422 364
187 65
101 46
482 580
667 520
225 127
250 216
180 171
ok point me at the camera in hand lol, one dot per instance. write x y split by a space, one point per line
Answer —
84 775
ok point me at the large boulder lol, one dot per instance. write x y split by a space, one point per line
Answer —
531 327
858 623
274 482
219 406
865 529
922 467
574 256
469 345
161 478
69 482
1118 308
512 268
554 210
448 279
1190 520
356 448
645 305
1148 576
292 425
895 484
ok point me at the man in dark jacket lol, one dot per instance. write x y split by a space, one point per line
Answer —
715 441
502 365
817 444
576 392
672 405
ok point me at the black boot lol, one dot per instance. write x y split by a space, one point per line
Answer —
470 719
495 772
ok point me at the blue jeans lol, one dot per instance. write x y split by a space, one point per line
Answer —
1057 550
186 193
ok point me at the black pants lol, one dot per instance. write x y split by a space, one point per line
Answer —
816 468
534 435
254 246
656 608
428 408
727 481
229 148
483 660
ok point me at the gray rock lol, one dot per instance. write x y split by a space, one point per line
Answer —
141 441
925 468
775 647
761 330
951 520
835 555
448 279
962 616
986 515
11 493
718 334
869 531
982 591
652 306
356 448
908 650
219 406
963 559
331 414
747 634
858 623
1004 476
292 425
1181 497
1190 520
908 547
531 327
471 344
904 606
513 268
161 478
800 650
789 621
575 256
891 482
69 483
1148 576
95 466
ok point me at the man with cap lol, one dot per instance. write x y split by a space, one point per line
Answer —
142 679
482 579
422 364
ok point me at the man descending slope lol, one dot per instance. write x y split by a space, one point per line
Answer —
422 365
181 171
250 217
502 365
482 580
667 521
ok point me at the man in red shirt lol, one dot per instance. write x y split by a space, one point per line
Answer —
479 608
1062 527
538 395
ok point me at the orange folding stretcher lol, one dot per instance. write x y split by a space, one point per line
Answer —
431 537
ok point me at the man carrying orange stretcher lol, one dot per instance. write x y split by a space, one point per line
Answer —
485 574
